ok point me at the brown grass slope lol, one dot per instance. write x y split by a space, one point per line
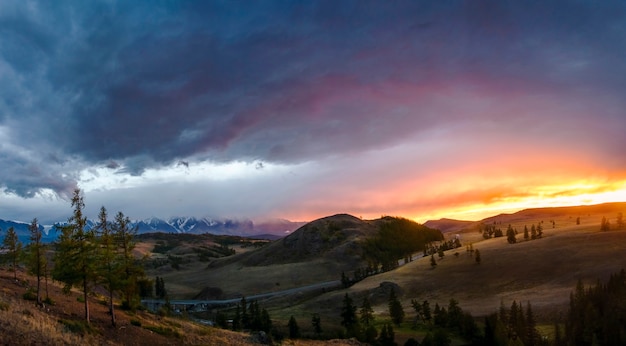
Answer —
316 252
542 271
333 238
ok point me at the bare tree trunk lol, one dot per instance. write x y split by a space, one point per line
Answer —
111 308
86 301
39 289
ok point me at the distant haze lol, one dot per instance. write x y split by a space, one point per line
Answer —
261 110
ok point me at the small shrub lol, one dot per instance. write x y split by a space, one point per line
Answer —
80 299
163 331
30 295
135 322
77 327
4 306
48 301
27 312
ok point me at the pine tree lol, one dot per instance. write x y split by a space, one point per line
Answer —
395 308
367 313
131 272
266 321
526 234
427 316
387 336
76 249
477 254
14 249
109 260
316 322
237 318
605 225
294 330
510 235
539 230
532 337
37 263
533 232
433 261
348 316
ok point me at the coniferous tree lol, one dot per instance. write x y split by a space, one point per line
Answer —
109 260
294 330
510 235
395 308
605 225
539 230
620 220
533 232
433 261
245 318
526 234
532 336
37 261
387 336
266 321
14 249
367 313
76 249
477 256
426 311
348 316
316 322
131 271
237 318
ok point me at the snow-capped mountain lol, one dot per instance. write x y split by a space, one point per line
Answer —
193 225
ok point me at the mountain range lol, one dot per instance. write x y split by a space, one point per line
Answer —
273 228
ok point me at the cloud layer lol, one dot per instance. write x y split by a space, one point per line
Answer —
128 87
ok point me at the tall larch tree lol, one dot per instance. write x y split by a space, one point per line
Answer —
14 249
76 250
37 261
130 269
109 260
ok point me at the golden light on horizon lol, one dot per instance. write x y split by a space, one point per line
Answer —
584 192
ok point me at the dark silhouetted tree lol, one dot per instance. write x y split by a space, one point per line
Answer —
316 322
433 261
477 256
526 233
387 336
294 330
366 312
620 220
395 308
510 235
533 232
348 316
14 249
605 225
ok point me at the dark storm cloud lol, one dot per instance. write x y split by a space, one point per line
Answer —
132 85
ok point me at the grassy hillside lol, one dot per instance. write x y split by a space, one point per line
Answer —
542 271
317 252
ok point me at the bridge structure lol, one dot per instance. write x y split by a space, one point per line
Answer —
179 305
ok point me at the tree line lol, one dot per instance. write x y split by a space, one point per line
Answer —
84 258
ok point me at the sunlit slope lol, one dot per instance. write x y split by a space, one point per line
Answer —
543 271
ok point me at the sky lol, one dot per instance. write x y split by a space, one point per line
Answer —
300 110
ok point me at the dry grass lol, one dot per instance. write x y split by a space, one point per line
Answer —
22 323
